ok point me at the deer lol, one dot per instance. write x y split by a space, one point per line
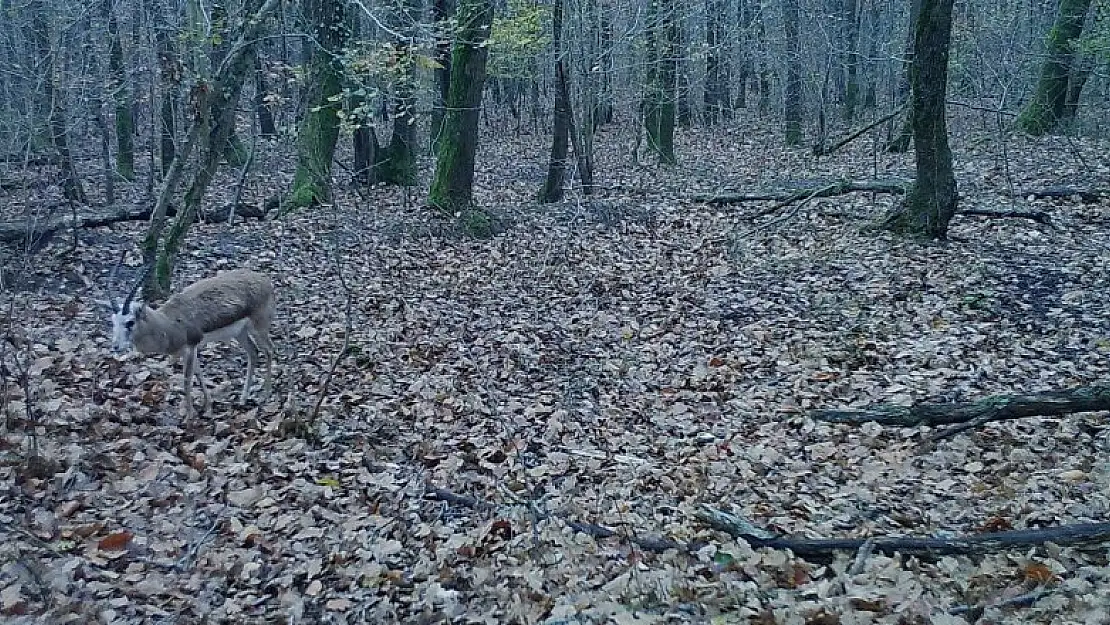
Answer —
236 304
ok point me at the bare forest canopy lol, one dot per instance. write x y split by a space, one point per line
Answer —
622 311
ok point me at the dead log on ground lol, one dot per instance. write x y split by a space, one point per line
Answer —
843 187
1077 534
968 415
1087 196
60 219
896 187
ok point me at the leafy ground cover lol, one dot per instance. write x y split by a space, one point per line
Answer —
618 363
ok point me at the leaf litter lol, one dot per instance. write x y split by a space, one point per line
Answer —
617 363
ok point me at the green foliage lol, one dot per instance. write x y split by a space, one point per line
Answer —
518 38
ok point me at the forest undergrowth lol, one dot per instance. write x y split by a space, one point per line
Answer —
619 362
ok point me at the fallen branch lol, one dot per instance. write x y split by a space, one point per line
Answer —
974 414
1081 533
54 221
896 187
1037 216
1087 196
820 150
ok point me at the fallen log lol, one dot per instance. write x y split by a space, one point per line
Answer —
968 415
60 219
896 187
1087 196
1077 534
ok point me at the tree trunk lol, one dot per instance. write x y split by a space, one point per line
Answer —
397 165
850 19
452 189
1049 103
170 72
267 129
603 110
319 129
214 119
901 142
716 95
792 95
931 202
54 102
659 103
442 12
556 169
121 97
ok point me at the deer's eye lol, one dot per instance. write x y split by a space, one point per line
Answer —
130 323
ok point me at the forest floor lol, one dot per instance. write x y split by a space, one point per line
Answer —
619 362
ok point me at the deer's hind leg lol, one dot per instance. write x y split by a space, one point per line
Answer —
244 339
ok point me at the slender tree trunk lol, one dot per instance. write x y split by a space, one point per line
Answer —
319 131
603 109
214 108
556 169
792 109
267 129
901 142
1050 98
170 73
54 102
850 18
659 104
932 201
397 165
121 97
442 12
452 189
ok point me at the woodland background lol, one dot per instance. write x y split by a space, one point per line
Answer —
566 308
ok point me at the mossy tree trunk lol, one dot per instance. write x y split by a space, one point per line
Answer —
556 169
453 183
121 97
792 95
214 107
659 101
397 163
442 12
319 130
931 202
1049 104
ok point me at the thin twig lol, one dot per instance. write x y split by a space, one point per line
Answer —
348 329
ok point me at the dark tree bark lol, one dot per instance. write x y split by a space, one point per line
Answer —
603 110
452 189
1060 71
901 142
397 163
931 202
267 129
745 17
556 169
53 101
121 97
716 95
659 101
850 20
319 130
792 95
442 12
170 73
